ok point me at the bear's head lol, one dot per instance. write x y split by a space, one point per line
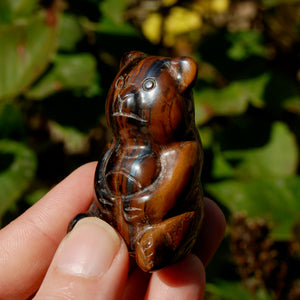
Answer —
152 97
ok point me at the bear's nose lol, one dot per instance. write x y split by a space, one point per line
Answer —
128 106
126 103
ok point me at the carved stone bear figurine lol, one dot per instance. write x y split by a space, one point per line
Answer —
148 180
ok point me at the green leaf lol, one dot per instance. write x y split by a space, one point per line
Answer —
264 184
282 92
278 158
74 141
221 168
26 49
11 121
11 10
229 290
206 135
255 88
36 196
273 89
5 11
17 169
114 9
275 199
245 44
231 100
74 71
267 89
70 32
113 21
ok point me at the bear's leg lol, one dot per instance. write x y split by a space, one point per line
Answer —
166 242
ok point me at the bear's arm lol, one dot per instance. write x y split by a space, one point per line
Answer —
180 171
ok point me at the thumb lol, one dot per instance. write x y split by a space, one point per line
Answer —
90 263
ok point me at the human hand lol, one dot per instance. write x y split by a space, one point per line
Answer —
92 261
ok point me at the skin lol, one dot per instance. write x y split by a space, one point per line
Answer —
91 262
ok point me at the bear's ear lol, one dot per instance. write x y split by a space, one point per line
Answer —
130 56
184 70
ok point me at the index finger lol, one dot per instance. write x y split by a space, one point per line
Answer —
28 244
211 232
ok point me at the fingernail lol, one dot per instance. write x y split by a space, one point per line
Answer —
89 249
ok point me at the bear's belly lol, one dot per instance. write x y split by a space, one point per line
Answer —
126 175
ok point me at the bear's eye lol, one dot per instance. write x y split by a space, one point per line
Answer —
119 83
148 84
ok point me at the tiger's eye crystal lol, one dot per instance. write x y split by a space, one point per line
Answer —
147 181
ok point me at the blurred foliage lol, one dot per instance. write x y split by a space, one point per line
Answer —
57 60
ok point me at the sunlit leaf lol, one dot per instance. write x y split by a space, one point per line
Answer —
179 21
17 169
278 158
219 6
230 100
206 134
216 6
74 71
169 2
152 27
25 50
276 200
267 89
260 181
